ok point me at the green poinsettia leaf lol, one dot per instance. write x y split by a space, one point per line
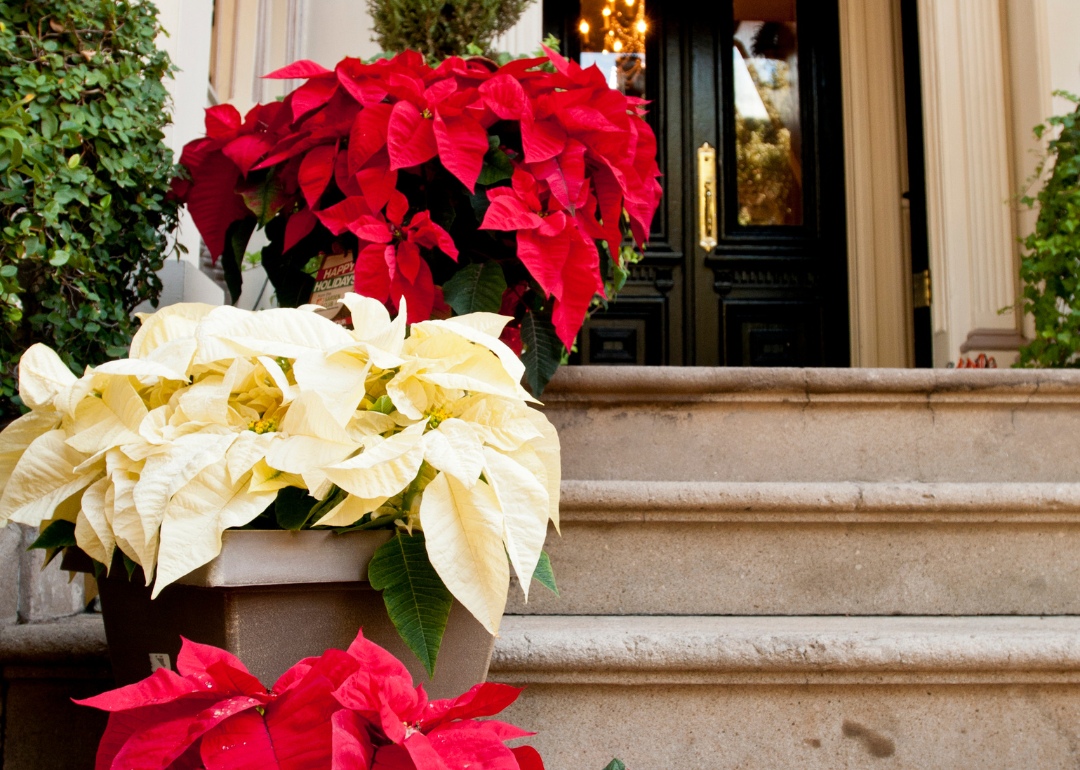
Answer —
59 534
497 164
129 565
55 538
236 241
541 351
416 599
544 575
476 288
293 507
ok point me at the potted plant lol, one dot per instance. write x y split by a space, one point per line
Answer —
461 188
400 458
354 708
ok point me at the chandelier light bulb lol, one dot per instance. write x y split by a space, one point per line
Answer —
584 27
606 11
618 46
641 26
630 3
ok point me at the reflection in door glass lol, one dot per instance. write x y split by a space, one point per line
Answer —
768 134
612 34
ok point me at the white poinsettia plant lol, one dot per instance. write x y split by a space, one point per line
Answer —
223 418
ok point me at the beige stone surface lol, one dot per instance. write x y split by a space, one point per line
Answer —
10 546
701 650
816 425
803 726
778 568
77 640
45 594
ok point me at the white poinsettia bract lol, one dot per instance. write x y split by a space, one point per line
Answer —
217 409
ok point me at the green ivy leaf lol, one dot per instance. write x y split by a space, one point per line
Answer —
541 351
59 258
544 575
416 599
616 764
476 288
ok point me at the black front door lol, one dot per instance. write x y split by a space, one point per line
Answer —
747 262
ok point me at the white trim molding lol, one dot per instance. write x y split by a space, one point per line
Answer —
879 275
969 176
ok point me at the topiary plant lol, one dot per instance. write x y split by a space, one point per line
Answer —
84 178
1050 271
442 28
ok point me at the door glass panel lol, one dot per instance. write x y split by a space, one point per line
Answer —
768 132
612 35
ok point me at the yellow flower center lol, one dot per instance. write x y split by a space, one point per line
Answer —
262 426
437 416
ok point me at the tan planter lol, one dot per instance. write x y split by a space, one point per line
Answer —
272 598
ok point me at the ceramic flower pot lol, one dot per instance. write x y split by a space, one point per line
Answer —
272 598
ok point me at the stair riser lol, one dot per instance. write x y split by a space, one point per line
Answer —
887 438
808 726
756 568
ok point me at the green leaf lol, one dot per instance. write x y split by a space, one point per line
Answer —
59 534
416 599
59 258
497 165
73 161
293 508
264 199
7 271
476 288
383 404
236 241
544 575
541 351
129 565
616 764
49 125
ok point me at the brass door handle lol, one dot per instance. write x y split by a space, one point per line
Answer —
706 155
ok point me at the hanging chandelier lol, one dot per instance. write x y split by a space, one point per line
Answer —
623 28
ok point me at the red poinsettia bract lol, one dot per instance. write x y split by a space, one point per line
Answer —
333 153
339 711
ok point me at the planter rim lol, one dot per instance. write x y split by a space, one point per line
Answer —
276 557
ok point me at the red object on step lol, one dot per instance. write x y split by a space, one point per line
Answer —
342 710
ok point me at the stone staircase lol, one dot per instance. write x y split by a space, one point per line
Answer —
770 568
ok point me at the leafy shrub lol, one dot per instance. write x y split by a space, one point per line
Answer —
83 178
1050 271
442 28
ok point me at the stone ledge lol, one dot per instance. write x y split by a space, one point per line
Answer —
841 501
75 641
771 650
576 384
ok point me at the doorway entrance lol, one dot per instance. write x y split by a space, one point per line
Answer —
746 264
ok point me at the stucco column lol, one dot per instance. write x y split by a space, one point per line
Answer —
969 179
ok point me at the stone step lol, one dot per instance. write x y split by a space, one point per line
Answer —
734 424
711 693
786 548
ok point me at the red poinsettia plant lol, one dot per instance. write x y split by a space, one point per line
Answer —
344 710
462 188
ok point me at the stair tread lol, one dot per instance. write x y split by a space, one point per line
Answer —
787 644
583 499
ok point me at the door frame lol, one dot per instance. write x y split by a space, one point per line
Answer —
875 178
